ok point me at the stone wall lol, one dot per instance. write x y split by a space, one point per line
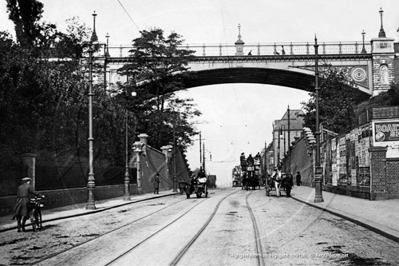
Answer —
64 197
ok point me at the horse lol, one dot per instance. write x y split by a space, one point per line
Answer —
277 181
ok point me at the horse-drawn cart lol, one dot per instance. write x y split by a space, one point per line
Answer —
199 187
278 184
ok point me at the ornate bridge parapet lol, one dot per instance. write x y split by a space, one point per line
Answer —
261 49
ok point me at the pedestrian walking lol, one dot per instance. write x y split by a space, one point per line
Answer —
288 184
156 184
22 207
282 50
298 179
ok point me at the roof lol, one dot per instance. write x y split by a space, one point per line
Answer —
296 122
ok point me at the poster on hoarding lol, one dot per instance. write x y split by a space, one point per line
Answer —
386 131
353 177
335 179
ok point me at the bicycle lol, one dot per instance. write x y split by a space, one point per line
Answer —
35 215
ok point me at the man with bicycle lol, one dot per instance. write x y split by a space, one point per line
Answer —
25 190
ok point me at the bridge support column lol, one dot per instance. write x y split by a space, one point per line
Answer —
383 61
383 64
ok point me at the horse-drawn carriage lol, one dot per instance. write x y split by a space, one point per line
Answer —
197 186
251 174
250 180
279 182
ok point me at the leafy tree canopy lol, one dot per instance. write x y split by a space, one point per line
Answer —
337 101
157 70
386 98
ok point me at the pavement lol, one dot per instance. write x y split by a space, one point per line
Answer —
378 216
6 222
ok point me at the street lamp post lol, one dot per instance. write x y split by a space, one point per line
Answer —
278 147
174 160
283 133
126 195
289 142
318 168
91 180
282 127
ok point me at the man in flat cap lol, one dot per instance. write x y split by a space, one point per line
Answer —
25 190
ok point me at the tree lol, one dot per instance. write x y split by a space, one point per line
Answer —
157 70
337 101
25 14
158 63
385 98
44 109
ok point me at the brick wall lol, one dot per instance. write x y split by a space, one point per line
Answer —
378 173
392 178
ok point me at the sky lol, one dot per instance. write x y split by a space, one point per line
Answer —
236 117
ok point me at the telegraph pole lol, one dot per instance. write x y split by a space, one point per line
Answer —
318 169
200 148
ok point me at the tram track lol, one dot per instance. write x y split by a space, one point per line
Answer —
189 244
258 242
106 233
117 260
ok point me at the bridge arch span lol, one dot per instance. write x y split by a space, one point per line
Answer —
266 76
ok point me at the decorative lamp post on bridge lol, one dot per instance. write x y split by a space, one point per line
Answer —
381 34
363 49
318 168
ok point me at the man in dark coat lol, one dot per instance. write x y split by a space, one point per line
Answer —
288 184
22 210
298 179
156 184
201 173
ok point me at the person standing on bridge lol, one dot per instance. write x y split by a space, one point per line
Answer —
282 50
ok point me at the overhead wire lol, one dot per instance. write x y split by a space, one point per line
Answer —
128 15
234 88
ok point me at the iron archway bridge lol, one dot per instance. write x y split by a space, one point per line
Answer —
284 64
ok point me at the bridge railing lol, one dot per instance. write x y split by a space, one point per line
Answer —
262 49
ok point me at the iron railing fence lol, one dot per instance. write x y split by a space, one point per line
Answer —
262 49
